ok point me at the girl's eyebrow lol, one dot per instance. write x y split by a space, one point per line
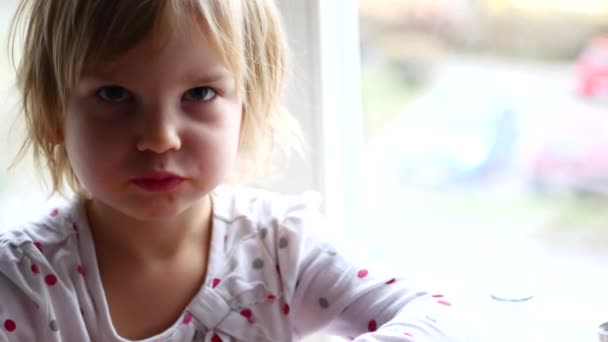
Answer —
193 77
98 75
211 76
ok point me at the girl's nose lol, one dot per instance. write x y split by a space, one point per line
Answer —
158 134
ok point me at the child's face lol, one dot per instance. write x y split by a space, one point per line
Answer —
155 130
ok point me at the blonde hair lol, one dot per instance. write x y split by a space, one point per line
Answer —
61 37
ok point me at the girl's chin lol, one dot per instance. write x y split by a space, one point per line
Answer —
164 210
140 207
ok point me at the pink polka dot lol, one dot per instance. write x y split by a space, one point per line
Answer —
81 270
443 302
50 279
271 297
215 282
372 326
54 213
408 334
437 296
286 309
392 281
187 318
35 269
216 338
10 325
362 274
38 245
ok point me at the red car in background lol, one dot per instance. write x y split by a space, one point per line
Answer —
592 69
573 154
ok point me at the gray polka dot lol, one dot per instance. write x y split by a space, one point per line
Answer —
283 242
323 302
332 252
199 336
263 233
421 294
258 263
53 325
431 318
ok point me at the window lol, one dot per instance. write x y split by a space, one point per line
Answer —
486 136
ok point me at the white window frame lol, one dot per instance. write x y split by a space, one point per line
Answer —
325 96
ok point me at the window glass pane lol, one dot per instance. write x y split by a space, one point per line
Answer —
487 155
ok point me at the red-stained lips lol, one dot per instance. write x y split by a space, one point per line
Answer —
158 181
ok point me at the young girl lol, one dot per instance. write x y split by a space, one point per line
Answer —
143 108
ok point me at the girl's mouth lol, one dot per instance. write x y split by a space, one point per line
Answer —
158 181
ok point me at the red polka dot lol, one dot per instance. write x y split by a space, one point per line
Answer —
286 309
362 274
81 270
443 302
392 281
187 318
38 245
278 269
54 213
246 313
216 338
215 282
35 269
408 334
10 325
50 279
271 297
437 296
372 326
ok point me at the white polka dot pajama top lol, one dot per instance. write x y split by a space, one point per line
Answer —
268 279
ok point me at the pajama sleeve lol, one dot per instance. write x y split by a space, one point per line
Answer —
332 291
18 313
38 299
24 284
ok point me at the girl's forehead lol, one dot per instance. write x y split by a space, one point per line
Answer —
181 61
158 44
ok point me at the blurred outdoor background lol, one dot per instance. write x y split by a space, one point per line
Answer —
487 156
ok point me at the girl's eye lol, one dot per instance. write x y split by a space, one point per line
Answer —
200 94
114 94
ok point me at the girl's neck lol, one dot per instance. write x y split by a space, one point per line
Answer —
141 242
